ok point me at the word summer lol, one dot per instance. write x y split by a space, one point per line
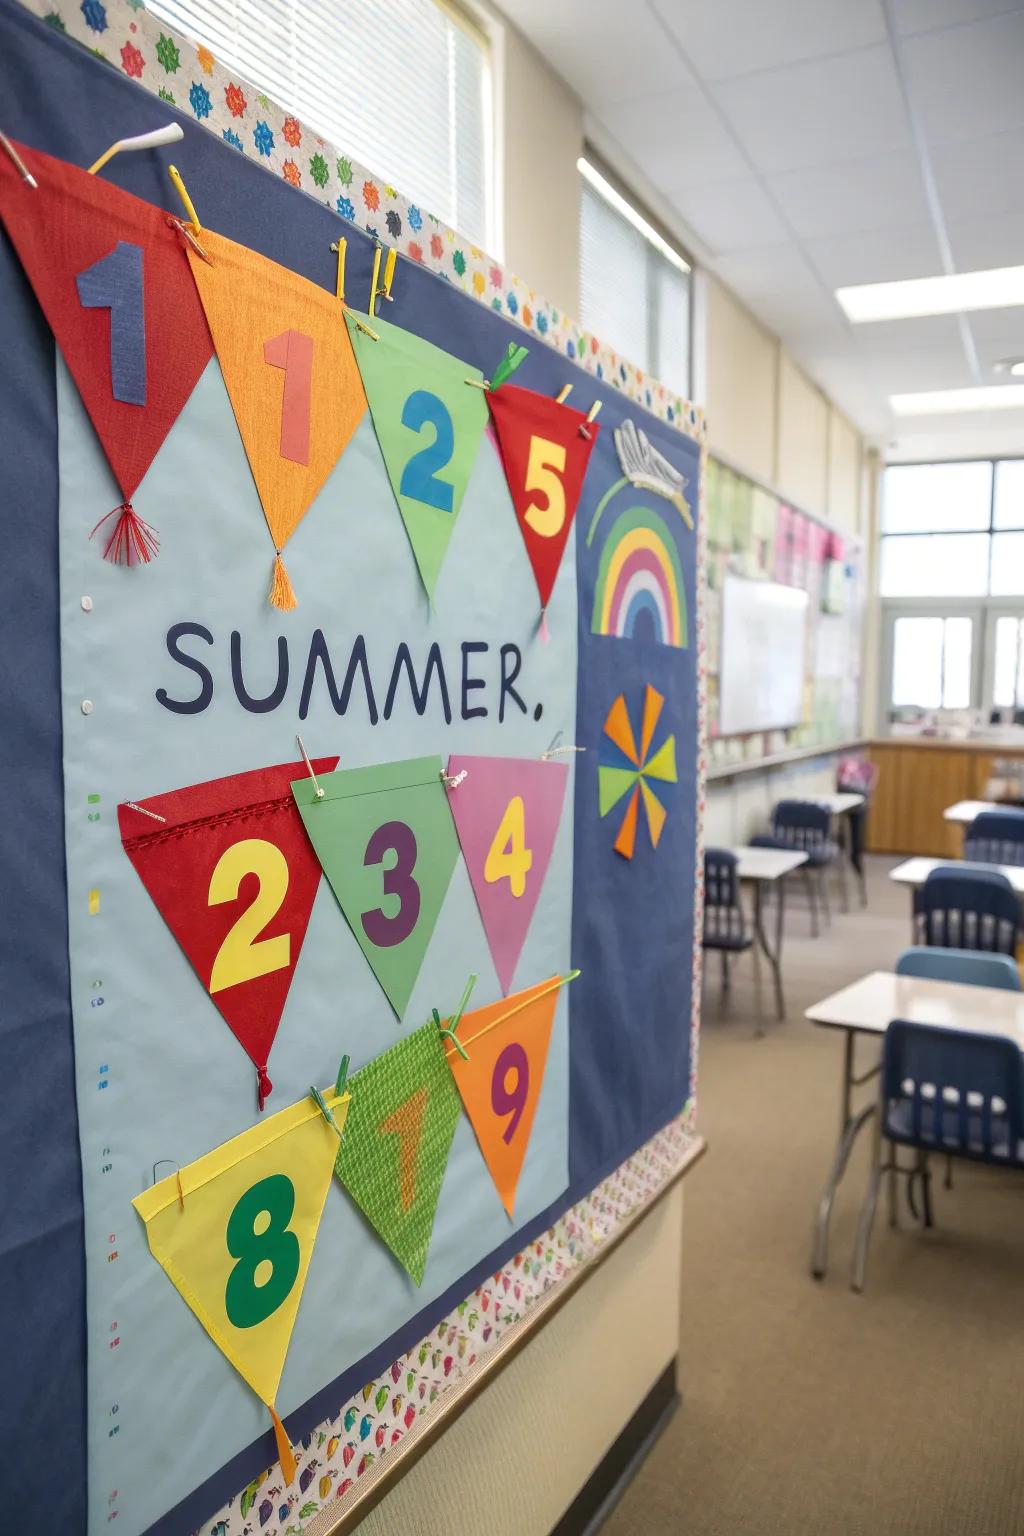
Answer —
475 680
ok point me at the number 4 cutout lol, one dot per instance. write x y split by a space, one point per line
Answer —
231 871
507 812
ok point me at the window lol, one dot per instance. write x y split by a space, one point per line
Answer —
931 663
634 286
404 88
953 530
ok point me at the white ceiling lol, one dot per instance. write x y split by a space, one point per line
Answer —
799 145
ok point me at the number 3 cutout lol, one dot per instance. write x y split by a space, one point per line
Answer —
397 838
508 857
244 955
419 478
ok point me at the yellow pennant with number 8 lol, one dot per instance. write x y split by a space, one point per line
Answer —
235 1232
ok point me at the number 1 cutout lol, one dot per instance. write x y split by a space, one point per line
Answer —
115 283
293 352
507 1049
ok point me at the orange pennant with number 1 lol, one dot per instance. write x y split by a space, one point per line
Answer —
500 1076
290 373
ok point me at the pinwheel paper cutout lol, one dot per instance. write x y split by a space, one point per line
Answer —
626 770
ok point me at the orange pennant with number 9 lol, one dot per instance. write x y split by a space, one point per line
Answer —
500 1077
233 875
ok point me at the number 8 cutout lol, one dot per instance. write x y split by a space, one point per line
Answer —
500 1078
232 873
545 447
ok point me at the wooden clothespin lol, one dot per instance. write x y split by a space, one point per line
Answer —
20 166
170 134
564 393
591 416
389 273
374 290
340 246
187 204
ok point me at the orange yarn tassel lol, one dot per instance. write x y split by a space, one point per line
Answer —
285 1454
282 594
133 542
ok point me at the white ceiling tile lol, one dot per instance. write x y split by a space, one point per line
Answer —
988 242
975 177
806 115
730 216
607 51
928 15
852 196
881 256
967 81
677 138
998 332
724 38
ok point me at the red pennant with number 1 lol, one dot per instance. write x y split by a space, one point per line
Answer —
545 448
113 281
233 875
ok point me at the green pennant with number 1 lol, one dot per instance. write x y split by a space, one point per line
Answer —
429 421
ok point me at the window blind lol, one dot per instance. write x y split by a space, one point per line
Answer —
631 295
404 88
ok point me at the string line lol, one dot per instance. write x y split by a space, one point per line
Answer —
553 986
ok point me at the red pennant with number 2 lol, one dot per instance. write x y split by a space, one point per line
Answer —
233 875
113 281
500 1077
545 454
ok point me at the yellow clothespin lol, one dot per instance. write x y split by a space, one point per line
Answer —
339 288
389 271
563 394
179 187
374 280
166 135
591 414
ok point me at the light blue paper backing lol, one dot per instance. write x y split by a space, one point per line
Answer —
177 1081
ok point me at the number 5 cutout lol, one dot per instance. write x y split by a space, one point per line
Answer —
507 812
231 872
545 455
385 839
507 1049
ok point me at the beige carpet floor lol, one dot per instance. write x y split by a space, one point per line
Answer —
806 1408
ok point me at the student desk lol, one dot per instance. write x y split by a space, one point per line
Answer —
839 805
914 872
964 811
769 866
867 1007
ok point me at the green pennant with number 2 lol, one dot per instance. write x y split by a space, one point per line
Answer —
387 843
429 422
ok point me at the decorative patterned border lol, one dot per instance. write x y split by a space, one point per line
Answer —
187 75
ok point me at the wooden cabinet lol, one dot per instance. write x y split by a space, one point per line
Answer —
916 782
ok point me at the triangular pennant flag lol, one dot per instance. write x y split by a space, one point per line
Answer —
397 1138
506 812
429 415
235 1232
111 277
545 448
385 838
500 1076
290 375
233 876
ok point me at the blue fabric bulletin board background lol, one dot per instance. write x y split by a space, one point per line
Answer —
629 1013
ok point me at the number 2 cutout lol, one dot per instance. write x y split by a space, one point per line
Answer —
508 857
115 283
293 352
244 955
544 468
420 476
506 1101
397 838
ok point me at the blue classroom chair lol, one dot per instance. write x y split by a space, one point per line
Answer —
806 825
969 966
942 1090
963 906
725 924
996 837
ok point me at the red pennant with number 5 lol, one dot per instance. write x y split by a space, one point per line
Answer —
545 454
112 279
500 1076
232 873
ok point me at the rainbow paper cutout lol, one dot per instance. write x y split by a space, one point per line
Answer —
639 593
625 769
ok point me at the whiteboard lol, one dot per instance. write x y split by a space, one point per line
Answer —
763 656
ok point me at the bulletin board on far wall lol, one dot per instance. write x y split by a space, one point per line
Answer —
753 533
241 513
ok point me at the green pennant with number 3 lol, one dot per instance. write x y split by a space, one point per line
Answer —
387 843
429 421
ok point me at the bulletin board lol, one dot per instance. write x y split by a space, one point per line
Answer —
753 533
488 650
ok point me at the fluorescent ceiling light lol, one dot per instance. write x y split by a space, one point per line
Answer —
999 288
1017 369
629 213
941 402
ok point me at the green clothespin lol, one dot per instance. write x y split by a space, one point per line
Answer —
322 1106
449 1029
339 1086
508 365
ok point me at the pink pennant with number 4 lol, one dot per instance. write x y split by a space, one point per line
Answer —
506 812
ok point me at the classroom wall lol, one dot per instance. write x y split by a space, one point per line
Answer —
739 369
737 809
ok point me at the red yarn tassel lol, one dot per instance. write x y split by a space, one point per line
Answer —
264 1087
133 542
